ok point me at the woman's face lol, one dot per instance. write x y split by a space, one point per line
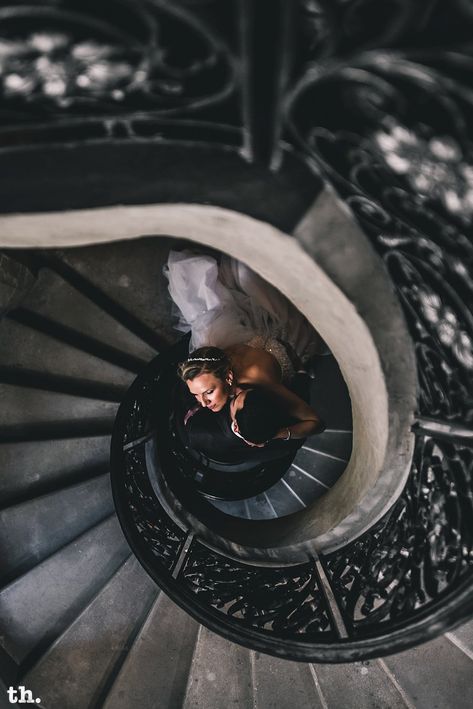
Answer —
210 392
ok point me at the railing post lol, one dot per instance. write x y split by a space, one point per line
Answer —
266 32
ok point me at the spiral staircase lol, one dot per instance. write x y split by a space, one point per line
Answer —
82 624
347 130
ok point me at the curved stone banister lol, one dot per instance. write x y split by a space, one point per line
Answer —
375 367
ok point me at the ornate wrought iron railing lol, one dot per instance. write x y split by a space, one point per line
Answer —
406 579
376 98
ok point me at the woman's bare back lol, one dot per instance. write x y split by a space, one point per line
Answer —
254 366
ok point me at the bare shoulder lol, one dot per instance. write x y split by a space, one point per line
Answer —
254 365
237 351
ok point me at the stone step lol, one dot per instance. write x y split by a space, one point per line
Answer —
325 467
220 675
281 684
33 530
54 297
282 500
334 441
462 637
259 507
29 469
39 605
156 670
23 406
236 508
132 278
355 685
23 347
436 675
79 668
304 485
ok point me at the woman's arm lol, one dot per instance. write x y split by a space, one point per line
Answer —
307 422
264 375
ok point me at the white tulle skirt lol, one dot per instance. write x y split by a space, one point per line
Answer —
226 303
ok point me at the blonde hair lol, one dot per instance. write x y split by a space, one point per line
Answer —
205 360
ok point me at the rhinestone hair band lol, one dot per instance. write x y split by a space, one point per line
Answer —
205 359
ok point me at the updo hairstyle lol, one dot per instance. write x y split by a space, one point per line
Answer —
205 360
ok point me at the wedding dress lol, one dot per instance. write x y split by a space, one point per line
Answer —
226 303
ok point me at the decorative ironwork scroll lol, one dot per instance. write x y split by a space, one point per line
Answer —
330 28
138 410
149 527
341 26
420 551
286 601
157 531
391 131
63 60
393 137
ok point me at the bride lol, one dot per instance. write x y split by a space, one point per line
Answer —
247 344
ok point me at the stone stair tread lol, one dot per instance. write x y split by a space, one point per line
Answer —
22 406
436 675
326 470
32 530
281 684
259 507
463 636
75 671
333 442
283 502
156 669
131 277
306 488
236 508
53 297
26 468
220 674
22 347
41 602
357 684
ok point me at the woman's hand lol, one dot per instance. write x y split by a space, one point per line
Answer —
301 429
284 434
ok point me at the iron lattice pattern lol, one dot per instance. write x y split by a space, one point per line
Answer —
119 69
286 602
423 548
67 58
159 539
402 161
156 531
